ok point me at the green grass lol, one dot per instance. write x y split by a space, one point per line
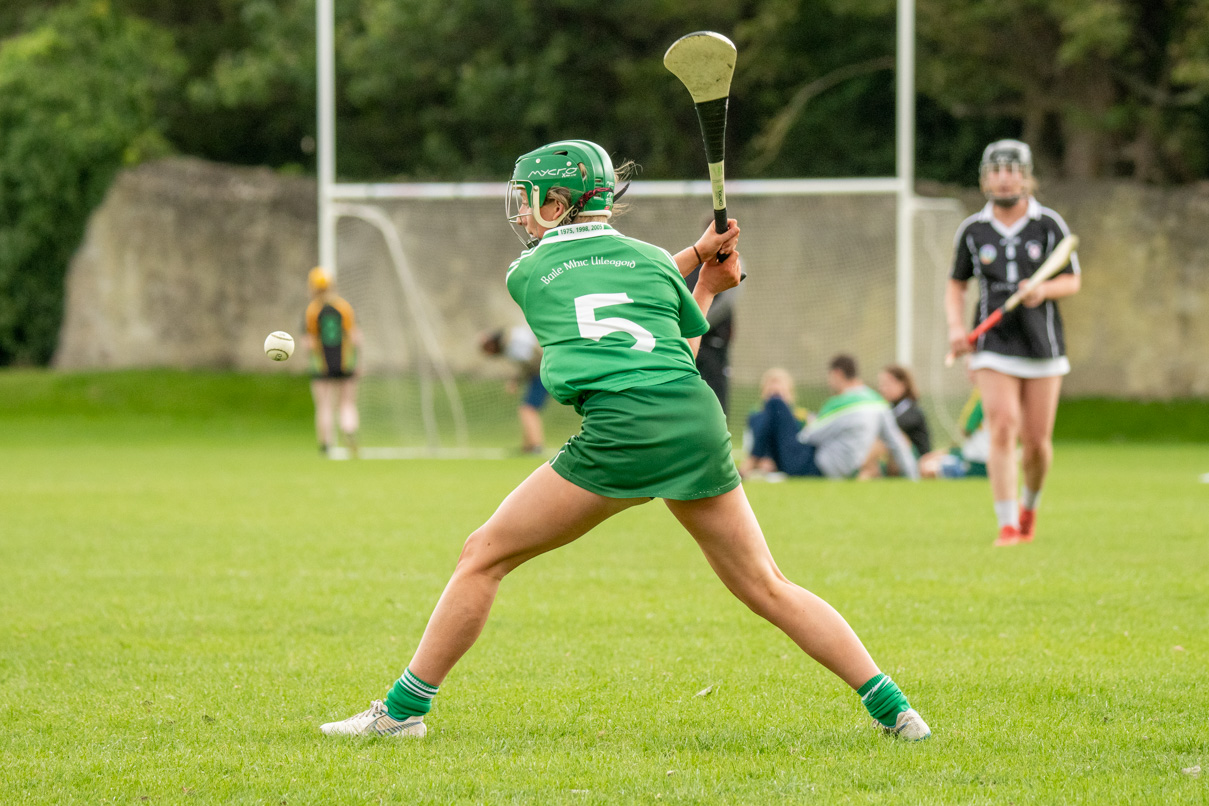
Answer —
1134 421
189 592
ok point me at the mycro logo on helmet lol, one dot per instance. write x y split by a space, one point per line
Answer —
568 171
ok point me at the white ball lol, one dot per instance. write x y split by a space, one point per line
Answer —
279 345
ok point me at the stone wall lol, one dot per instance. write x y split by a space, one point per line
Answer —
1140 326
189 264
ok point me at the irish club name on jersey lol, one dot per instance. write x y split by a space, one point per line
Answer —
593 261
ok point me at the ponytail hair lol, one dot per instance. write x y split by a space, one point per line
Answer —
622 176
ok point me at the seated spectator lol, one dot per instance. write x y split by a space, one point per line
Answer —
969 460
897 386
834 443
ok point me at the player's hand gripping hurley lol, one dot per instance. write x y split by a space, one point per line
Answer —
704 62
1053 264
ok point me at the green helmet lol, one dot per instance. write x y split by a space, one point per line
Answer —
580 166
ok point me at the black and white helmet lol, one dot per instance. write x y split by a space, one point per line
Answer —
1006 153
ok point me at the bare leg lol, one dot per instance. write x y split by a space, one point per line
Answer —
531 426
350 419
1039 409
1001 404
929 464
322 393
871 468
546 511
752 464
727 531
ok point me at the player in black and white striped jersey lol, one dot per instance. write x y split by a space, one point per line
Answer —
1019 364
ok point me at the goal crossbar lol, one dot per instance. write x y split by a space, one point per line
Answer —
347 191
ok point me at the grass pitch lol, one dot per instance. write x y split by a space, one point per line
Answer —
189 591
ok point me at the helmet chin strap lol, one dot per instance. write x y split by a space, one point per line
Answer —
535 210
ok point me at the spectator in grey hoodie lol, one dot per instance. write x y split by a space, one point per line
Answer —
835 442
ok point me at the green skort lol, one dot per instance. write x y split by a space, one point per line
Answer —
665 441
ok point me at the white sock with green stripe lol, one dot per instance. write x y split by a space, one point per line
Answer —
410 696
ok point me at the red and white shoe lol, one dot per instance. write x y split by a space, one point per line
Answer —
1028 524
1008 536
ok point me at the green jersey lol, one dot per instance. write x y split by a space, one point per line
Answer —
971 414
858 397
610 312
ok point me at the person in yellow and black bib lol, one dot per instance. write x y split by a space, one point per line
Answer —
333 340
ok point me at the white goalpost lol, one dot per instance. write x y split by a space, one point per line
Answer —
381 353
837 265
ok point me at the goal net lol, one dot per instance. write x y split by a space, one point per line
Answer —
423 267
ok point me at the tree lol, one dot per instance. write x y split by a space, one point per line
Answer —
250 95
1100 87
456 88
79 98
459 88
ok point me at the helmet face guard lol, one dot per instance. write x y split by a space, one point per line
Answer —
1012 155
580 167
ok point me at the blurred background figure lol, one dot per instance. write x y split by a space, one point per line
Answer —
519 345
897 385
333 339
967 460
713 359
775 383
837 441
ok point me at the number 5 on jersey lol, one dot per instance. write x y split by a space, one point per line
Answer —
595 329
